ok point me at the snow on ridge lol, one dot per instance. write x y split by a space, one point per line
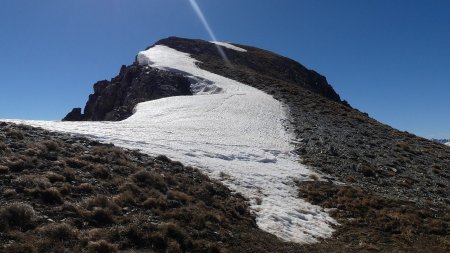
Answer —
448 143
229 46
235 130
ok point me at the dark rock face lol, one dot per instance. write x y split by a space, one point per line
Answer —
74 115
115 100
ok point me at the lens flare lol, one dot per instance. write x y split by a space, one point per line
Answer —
202 18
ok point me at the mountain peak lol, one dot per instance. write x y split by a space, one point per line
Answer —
116 99
253 61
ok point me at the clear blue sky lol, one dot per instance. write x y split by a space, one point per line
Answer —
389 58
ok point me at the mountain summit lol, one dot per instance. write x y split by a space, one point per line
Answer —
330 135
115 99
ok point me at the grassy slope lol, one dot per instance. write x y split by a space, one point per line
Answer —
60 193
66 194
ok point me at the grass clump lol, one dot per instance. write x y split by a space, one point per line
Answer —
51 196
59 232
17 216
146 178
101 247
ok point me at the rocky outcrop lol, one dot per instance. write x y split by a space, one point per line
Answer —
74 115
115 99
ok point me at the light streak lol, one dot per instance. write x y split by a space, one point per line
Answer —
202 18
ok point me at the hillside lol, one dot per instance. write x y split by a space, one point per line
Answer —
359 185
335 138
331 134
62 193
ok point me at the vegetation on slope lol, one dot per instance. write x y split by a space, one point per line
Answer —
62 193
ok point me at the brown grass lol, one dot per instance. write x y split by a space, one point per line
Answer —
100 199
148 204
380 224
17 215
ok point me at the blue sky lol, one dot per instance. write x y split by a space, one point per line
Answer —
389 58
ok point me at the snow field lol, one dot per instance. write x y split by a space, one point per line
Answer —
228 45
227 128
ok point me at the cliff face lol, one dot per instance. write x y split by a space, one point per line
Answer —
114 100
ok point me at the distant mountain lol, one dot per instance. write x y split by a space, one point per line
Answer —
442 141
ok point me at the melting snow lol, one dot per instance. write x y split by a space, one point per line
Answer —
228 128
228 45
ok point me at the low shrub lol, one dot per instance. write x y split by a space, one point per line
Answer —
59 232
15 134
86 188
177 195
102 202
69 174
102 216
55 177
17 215
99 171
155 203
32 181
101 247
4 169
145 178
173 231
20 163
51 196
125 198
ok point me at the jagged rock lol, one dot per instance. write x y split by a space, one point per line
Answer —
74 115
115 100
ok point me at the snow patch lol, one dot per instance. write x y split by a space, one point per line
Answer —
231 129
448 143
229 46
